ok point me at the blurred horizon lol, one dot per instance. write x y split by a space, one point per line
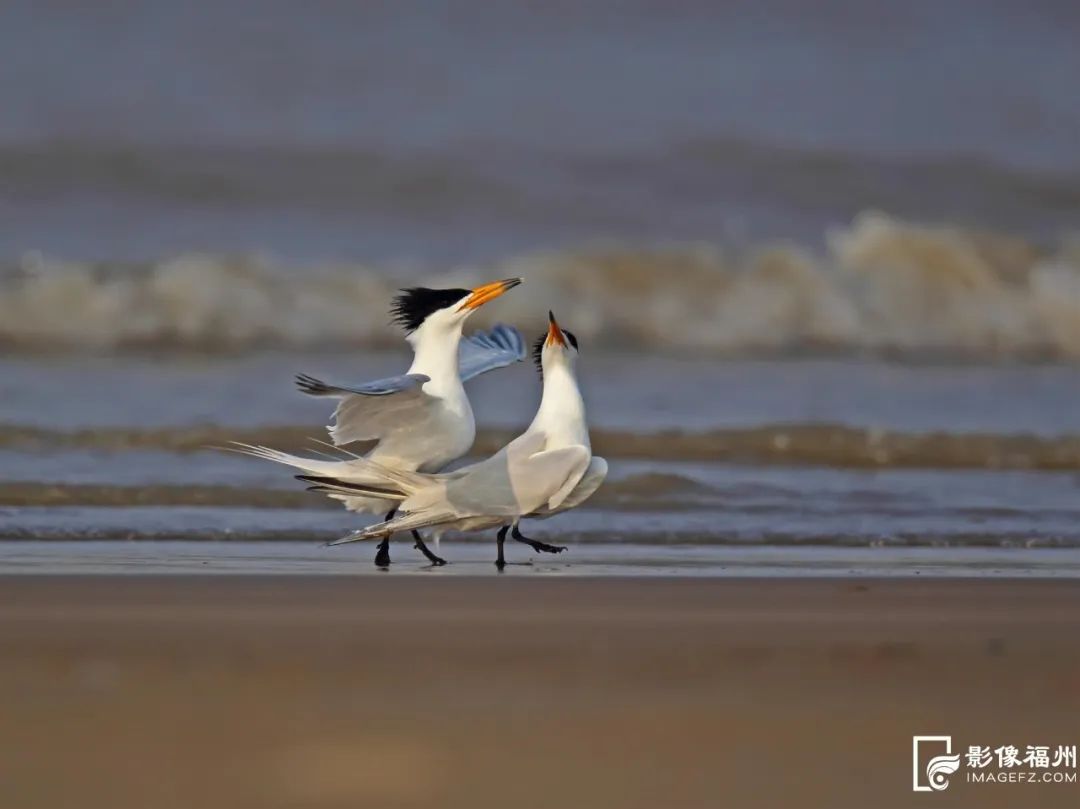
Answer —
139 129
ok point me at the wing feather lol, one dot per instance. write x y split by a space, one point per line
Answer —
380 387
372 410
569 463
582 491
487 350
510 483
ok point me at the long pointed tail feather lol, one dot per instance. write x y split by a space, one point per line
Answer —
404 522
335 468
350 470
324 483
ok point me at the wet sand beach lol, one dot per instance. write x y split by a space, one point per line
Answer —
280 691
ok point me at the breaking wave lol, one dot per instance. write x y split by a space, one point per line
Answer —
879 285
830 445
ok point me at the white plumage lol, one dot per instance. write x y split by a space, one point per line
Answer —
547 469
421 420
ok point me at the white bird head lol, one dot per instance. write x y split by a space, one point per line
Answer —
443 310
555 346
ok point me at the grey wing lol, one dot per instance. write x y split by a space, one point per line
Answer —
512 484
373 410
380 387
575 461
487 350
585 488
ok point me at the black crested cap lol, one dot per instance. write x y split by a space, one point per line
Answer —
413 305
538 347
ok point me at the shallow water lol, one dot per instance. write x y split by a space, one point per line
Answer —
785 454
642 393
476 559
210 496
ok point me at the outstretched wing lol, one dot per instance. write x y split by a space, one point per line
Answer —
487 350
374 410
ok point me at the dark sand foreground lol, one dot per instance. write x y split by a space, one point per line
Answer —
336 692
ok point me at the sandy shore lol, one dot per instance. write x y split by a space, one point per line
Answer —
337 692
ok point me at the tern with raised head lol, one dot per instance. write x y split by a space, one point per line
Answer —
546 470
421 420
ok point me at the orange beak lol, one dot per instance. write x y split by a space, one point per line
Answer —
554 335
488 292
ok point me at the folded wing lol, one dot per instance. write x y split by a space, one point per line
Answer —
512 483
585 488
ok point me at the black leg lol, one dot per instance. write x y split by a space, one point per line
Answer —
382 554
424 549
535 544
500 560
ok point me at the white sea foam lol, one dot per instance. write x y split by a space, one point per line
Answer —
879 285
